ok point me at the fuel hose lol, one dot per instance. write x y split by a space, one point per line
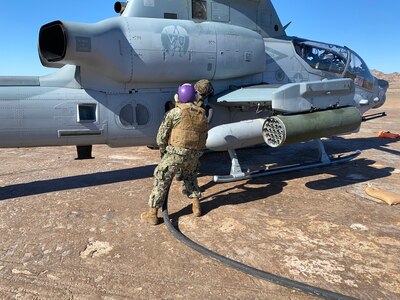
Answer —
286 282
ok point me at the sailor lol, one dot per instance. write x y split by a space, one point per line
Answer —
204 90
181 138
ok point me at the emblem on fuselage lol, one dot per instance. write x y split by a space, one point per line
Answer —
175 40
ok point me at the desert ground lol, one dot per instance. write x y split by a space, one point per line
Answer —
71 229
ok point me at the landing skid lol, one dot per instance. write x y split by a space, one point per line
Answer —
323 160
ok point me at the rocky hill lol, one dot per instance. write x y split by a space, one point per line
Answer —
394 82
391 77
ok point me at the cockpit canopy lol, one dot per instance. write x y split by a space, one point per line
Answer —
335 59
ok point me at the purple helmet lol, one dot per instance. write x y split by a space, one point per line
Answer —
186 93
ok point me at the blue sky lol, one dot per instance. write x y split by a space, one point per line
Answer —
369 27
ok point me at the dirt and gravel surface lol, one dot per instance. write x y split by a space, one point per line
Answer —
71 229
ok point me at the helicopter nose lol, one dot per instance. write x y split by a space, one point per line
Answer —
384 84
381 92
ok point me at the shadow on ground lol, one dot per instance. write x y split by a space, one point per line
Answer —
74 182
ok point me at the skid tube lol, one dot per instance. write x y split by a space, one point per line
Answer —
237 174
285 282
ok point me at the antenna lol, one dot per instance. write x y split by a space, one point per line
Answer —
287 25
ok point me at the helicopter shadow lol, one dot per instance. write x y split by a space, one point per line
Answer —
74 182
349 173
219 163
337 144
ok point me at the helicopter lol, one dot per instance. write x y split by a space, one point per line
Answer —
116 79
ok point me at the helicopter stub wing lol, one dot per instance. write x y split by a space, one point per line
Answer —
19 81
248 96
294 97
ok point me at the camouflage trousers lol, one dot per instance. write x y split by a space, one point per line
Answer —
187 164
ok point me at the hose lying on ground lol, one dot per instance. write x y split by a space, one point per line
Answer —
292 284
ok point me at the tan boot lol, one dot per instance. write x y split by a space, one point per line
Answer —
196 207
150 216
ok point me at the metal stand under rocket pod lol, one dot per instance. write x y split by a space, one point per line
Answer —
323 160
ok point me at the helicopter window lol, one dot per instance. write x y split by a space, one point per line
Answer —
131 116
142 114
126 116
199 9
335 59
359 72
86 113
329 59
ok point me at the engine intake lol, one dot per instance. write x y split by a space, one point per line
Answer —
119 7
52 41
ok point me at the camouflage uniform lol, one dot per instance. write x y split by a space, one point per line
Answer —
204 90
174 159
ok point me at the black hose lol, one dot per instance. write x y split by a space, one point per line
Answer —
292 284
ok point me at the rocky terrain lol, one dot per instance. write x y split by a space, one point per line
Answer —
394 81
391 77
71 229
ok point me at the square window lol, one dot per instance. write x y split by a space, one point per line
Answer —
87 113
199 9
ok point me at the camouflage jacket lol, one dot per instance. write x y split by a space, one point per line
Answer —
172 118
